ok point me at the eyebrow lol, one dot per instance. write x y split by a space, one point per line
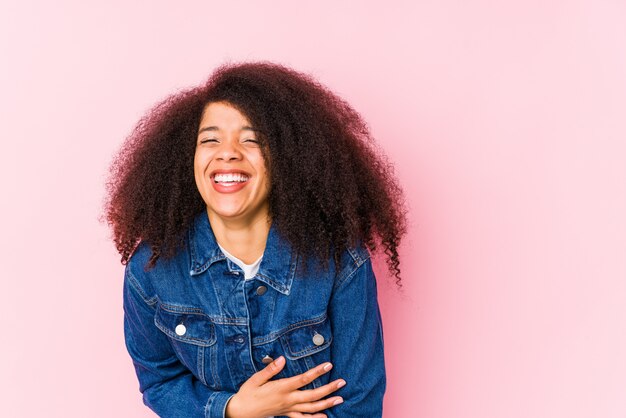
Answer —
215 128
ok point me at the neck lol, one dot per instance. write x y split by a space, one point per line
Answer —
245 239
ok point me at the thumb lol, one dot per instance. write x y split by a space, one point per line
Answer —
270 370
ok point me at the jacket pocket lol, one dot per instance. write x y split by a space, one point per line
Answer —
305 345
192 336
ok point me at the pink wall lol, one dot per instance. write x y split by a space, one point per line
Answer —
506 122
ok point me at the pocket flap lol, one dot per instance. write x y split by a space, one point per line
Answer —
307 339
188 325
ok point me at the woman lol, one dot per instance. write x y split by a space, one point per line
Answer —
245 211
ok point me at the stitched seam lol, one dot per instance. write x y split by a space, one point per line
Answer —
275 335
197 311
196 267
346 278
200 361
190 340
182 309
358 262
292 272
209 404
249 331
192 248
310 350
214 373
229 321
135 284
356 255
274 284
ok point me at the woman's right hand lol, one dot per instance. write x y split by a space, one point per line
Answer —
259 397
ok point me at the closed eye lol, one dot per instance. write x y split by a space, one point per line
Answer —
208 140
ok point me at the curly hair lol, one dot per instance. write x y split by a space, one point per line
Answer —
331 186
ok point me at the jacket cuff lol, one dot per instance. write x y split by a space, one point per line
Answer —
216 405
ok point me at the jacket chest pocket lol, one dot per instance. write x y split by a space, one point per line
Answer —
305 345
192 336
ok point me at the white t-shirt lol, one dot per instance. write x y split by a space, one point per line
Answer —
249 270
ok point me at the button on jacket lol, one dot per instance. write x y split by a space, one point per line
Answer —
196 330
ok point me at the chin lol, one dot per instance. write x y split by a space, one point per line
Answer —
225 212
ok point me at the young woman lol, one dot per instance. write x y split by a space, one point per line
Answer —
245 211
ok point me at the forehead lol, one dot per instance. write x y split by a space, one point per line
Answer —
224 113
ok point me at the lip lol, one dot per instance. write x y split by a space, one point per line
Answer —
221 188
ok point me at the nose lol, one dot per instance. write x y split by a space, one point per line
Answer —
229 151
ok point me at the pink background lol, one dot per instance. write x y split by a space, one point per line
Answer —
505 121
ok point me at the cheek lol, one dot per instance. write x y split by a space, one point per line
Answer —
265 179
259 165
266 186
200 164
199 172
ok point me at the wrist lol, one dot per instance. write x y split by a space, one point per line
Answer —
231 408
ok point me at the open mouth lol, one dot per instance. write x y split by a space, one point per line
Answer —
230 179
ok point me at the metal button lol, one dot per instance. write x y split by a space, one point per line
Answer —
318 339
261 290
180 329
239 339
267 360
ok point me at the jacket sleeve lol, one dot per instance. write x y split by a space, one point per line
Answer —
168 387
357 348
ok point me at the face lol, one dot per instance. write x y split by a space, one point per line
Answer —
229 167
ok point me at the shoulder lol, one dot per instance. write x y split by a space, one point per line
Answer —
359 254
135 273
139 259
352 260
148 281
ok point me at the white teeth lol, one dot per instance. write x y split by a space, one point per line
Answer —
230 178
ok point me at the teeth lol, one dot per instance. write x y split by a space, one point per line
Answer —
230 178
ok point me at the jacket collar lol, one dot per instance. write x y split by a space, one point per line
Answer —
277 267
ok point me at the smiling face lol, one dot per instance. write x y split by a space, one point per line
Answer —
229 168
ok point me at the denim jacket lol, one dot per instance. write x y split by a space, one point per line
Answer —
196 330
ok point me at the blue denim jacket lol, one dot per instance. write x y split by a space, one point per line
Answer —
196 330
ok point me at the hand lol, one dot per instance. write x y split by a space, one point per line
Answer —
259 397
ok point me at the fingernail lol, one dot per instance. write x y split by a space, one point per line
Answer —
328 367
280 360
338 401
341 383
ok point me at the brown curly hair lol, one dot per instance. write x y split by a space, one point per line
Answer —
331 186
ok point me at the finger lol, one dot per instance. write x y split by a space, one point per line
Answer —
268 372
307 377
299 415
310 395
318 405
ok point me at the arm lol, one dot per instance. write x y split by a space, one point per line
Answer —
168 387
357 347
